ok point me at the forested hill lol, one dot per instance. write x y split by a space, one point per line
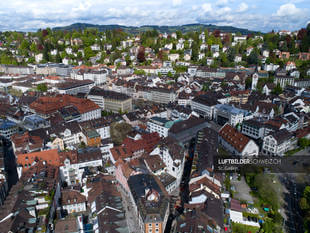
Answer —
162 29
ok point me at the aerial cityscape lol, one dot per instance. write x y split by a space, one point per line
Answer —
154 116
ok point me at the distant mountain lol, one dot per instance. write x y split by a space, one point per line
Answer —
162 29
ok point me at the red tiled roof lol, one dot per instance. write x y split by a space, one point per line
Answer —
300 133
50 104
234 137
72 196
147 143
49 156
71 155
23 140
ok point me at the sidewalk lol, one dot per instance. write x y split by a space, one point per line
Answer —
130 215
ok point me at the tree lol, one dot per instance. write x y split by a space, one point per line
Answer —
231 53
88 53
303 203
169 74
58 58
303 142
252 59
195 51
248 83
42 87
45 53
277 90
141 54
119 131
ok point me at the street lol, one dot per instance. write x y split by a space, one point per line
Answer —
184 188
10 163
293 222
132 222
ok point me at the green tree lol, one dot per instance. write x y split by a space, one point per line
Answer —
88 52
303 142
170 75
252 59
277 90
42 87
195 51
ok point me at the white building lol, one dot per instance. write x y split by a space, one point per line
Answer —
204 106
173 155
224 113
73 201
173 57
39 57
236 143
99 77
159 125
253 128
75 163
277 143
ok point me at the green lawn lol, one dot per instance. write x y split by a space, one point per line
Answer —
240 228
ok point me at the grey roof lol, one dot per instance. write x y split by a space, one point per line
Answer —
281 135
231 109
149 210
96 91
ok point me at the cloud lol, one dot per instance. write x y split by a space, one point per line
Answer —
207 7
176 2
242 7
288 9
30 15
223 10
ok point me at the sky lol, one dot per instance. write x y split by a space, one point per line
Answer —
260 15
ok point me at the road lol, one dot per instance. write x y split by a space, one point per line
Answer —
132 221
10 163
293 222
305 151
184 187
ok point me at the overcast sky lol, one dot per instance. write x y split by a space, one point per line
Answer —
262 15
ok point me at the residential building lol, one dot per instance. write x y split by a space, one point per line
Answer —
173 155
66 135
73 201
8 128
206 72
74 164
164 96
110 100
277 143
253 128
26 161
159 125
236 143
284 80
236 214
33 122
185 131
26 143
225 113
151 204
46 106
204 105
106 206
73 87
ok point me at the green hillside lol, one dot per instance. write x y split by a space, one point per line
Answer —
162 29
